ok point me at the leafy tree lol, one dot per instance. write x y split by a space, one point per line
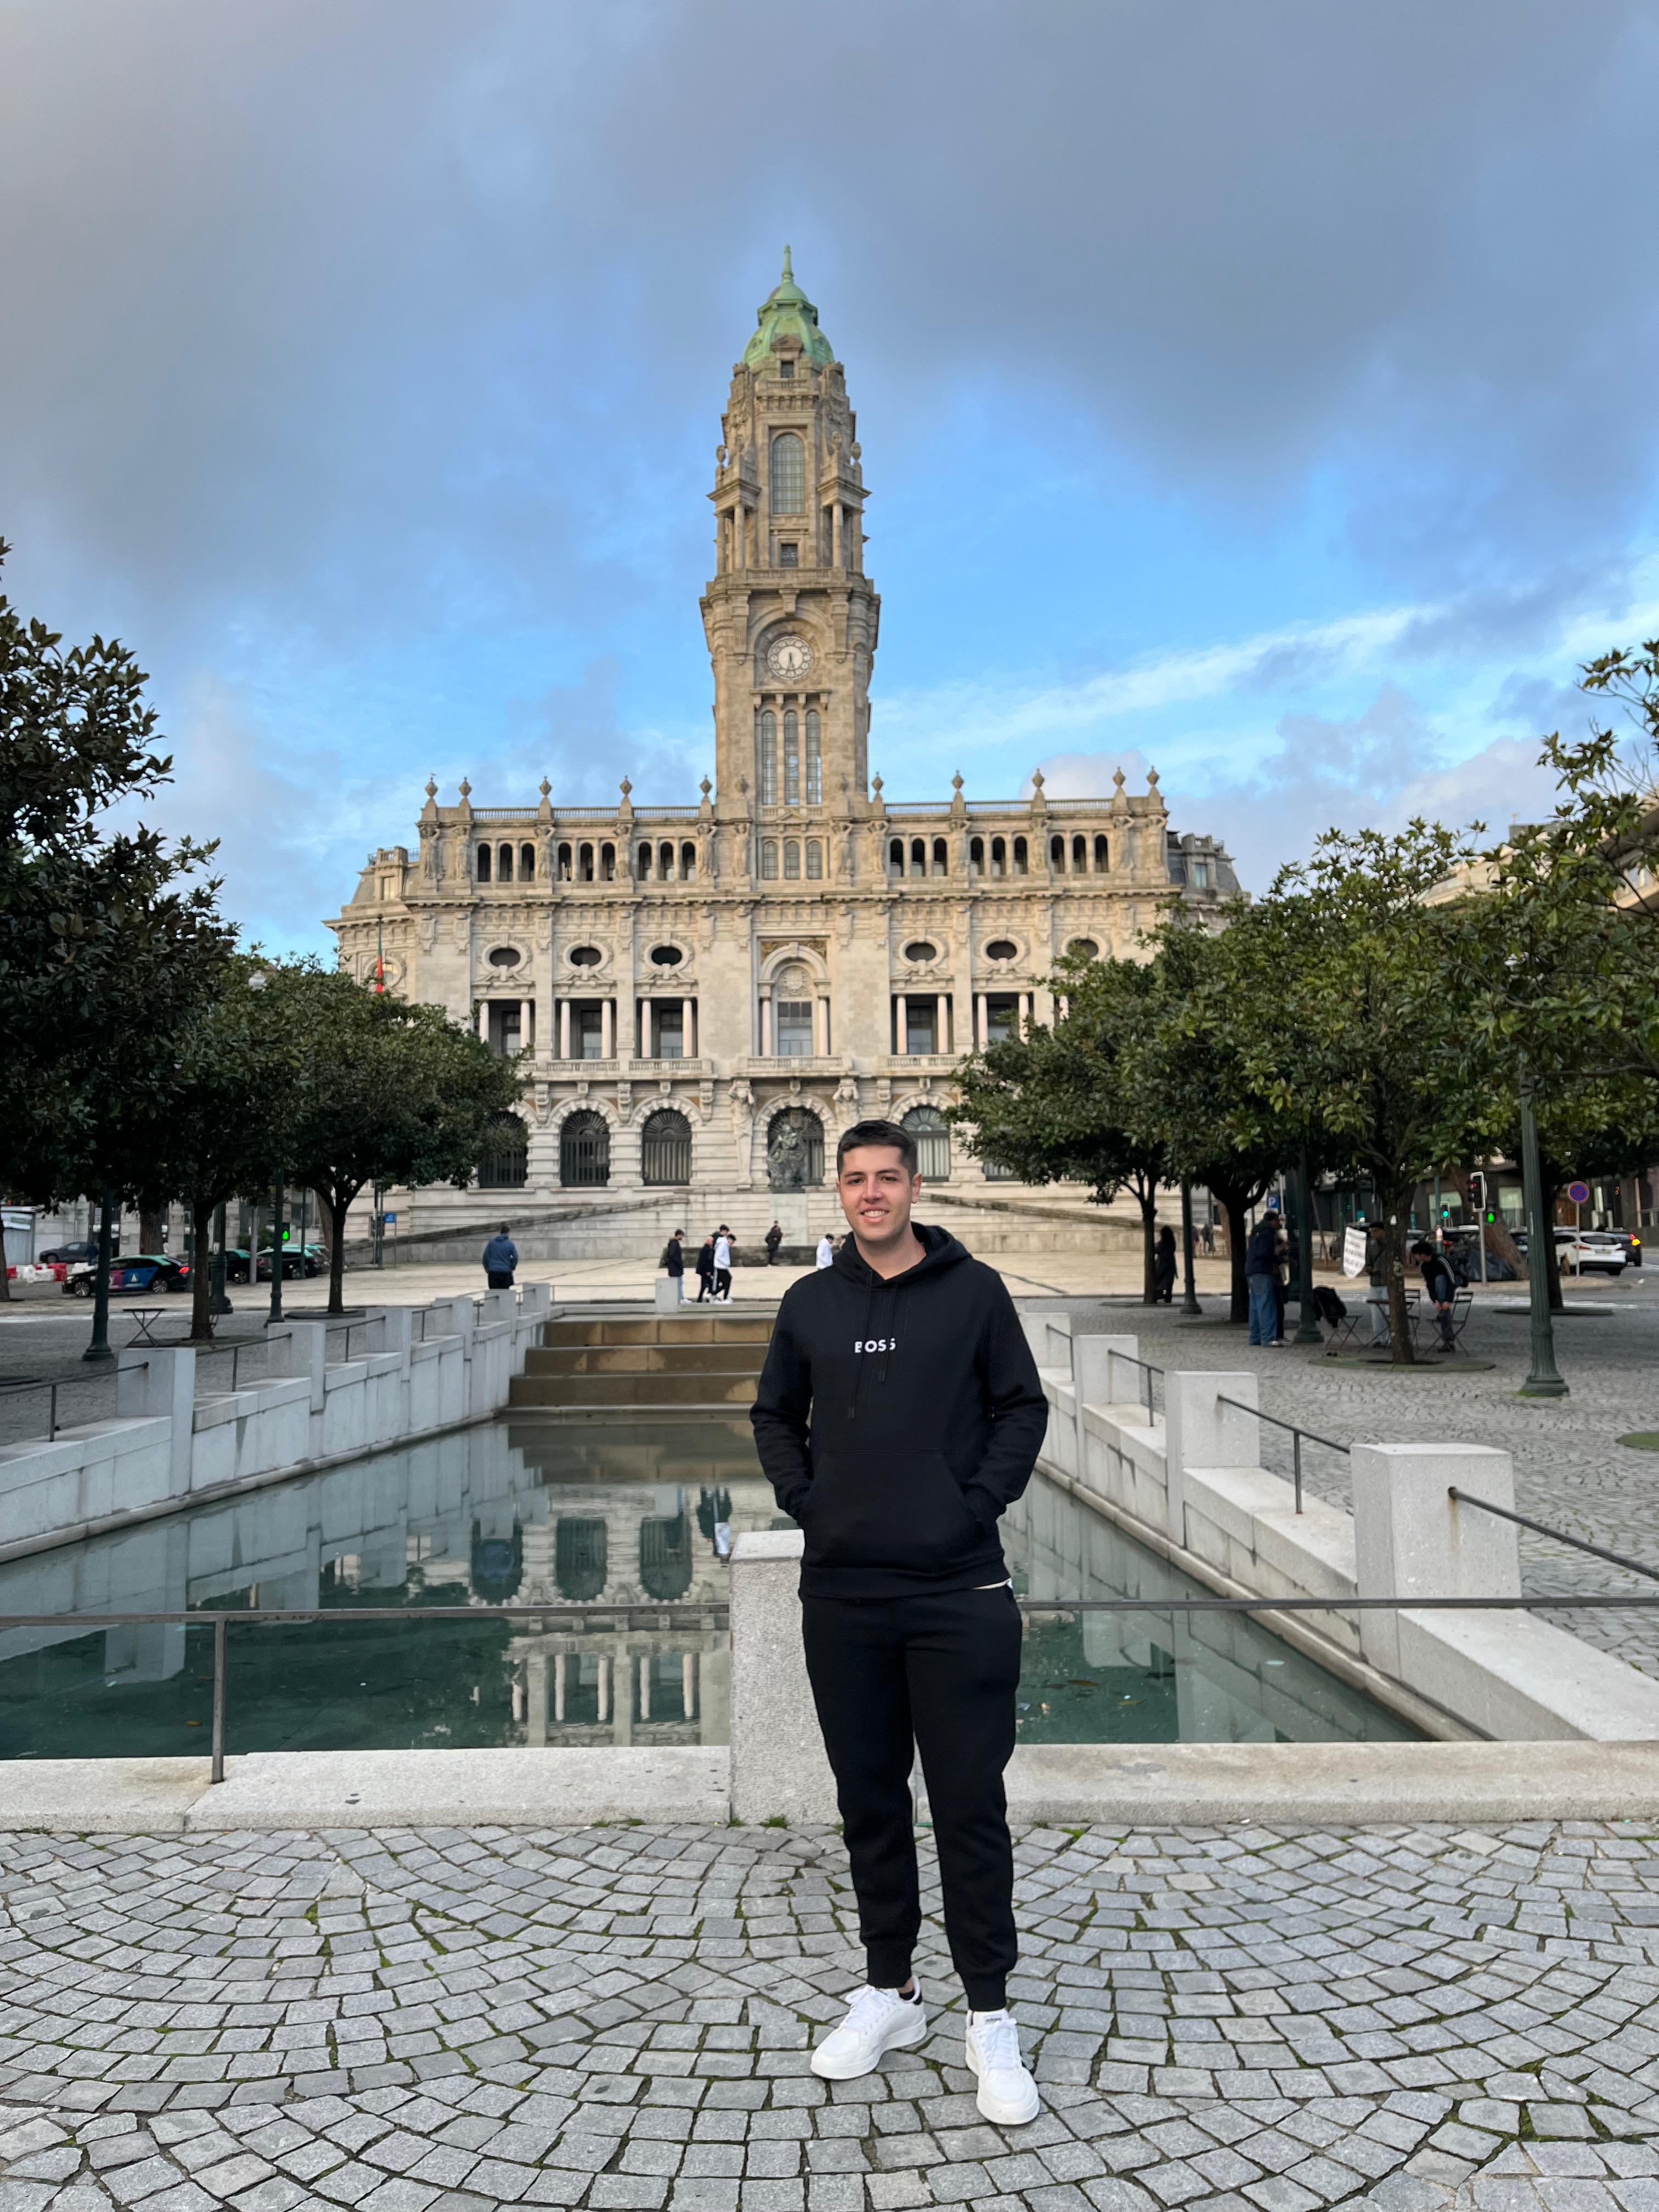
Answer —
1060 1102
386 1092
1372 1041
108 940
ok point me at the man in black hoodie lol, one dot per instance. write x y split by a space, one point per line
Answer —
898 1413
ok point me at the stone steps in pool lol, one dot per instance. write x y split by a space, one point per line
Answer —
563 1392
643 1360
691 1327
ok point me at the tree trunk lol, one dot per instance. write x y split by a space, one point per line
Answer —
1238 1307
1147 1201
338 1210
152 1228
1499 1239
1400 1349
201 1271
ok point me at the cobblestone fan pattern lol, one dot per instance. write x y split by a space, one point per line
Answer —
618 2018
1570 1468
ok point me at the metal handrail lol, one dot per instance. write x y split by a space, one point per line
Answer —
22 1391
1149 1371
1297 1435
1560 1535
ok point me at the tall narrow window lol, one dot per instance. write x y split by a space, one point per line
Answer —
941 857
814 760
1102 855
608 863
564 864
976 856
814 858
688 863
791 758
1020 861
504 865
766 776
769 859
645 862
1057 854
792 859
896 855
918 857
666 861
483 864
1079 854
998 857
789 474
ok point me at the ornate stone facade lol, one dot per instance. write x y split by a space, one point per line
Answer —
708 995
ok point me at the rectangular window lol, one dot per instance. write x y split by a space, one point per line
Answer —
795 1023
918 1025
588 1032
1001 1018
791 759
1201 875
670 1031
787 369
789 555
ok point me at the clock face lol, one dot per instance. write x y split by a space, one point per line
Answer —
789 657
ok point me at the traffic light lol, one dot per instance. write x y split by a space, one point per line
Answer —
1477 1191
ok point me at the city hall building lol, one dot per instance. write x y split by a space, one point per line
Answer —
706 996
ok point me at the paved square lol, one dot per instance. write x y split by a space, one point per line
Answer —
618 2018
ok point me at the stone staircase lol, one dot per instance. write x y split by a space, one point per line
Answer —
666 1362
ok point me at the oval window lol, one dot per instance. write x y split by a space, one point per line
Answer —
921 951
586 956
1001 948
503 956
667 956
1084 947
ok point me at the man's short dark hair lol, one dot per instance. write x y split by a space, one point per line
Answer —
891 1136
505 1230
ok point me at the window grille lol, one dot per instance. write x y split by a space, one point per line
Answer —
585 1152
507 1166
769 859
666 1148
814 760
767 775
791 758
932 1134
789 474
814 860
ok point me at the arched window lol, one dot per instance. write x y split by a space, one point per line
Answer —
527 864
1021 862
814 760
579 1559
497 1565
665 1558
999 856
1080 855
587 864
585 1151
1057 853
976 856
645 862
769 859
666 1148
504 865
766 771
1101 854
688 863
483 864
896 855
608 863
932 1134
941 857
666 861
789 474
791 758
564 864
505 1166
814 860
918 856
791 858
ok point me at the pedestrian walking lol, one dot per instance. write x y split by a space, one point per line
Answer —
826 1251
899 1413
672 1263
723 1267
772 1239
500 1258
1260 1261
704 1264
1163 1266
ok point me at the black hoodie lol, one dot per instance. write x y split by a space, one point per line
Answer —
897 1418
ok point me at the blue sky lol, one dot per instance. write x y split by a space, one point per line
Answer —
1265 393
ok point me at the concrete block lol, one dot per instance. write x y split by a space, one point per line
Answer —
394 1331
1412 1540
161 1386
1200 1432
535 1301
778 1768
665 1296
300 1348
1092 1375
454 1317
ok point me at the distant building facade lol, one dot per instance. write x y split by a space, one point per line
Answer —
707 995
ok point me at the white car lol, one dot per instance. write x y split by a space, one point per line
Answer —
1591 1251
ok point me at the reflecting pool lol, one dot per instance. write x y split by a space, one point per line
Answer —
615 1511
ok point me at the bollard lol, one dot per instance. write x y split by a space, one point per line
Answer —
778 1768
1411 1539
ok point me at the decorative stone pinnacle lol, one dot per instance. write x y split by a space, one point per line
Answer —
705 786
1117 777
546 788
1152 779
956 781
466 788
432 787
1036 779
625 787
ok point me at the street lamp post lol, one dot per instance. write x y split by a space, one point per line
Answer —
1308 1330
218 1303
1189 1296
277 1249
1545 1380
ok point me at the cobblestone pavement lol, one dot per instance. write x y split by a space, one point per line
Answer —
1570 1469
1252 2020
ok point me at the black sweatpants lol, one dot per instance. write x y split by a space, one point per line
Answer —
939 1673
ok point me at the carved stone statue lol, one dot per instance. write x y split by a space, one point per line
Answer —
786 1157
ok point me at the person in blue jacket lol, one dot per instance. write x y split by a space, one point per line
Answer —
500 1257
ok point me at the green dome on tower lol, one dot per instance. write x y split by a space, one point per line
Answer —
787 314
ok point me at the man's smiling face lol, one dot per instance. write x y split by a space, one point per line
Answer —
876 1192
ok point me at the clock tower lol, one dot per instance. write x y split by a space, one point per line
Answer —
790 617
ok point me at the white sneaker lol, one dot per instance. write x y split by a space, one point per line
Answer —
1007 2096
876 2020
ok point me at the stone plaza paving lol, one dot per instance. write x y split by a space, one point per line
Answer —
1254 2020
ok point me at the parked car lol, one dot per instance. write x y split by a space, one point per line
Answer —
69 1255
295 1261
1590 1251
1632 1242
1462 1249
144 1271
